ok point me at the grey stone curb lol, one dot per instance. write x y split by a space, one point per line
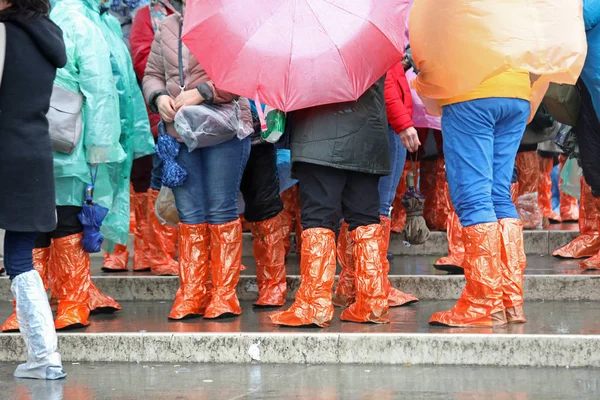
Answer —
425 287
317 348
536 242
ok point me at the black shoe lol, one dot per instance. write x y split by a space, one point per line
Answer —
390 257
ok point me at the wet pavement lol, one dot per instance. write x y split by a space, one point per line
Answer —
403 265
549 317
102 381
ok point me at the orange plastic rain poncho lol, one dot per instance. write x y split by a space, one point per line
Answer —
458 44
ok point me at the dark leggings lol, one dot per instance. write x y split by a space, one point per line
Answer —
18 250
68 224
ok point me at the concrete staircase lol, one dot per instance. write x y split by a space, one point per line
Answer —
563 310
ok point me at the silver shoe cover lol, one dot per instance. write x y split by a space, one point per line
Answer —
37 328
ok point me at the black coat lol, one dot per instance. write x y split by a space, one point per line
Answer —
350 136
34 50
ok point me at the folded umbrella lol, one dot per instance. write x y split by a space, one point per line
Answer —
91 217
415 230
294 54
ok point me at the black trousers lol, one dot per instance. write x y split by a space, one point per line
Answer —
588 136
324 189
68 224
141 174
260 184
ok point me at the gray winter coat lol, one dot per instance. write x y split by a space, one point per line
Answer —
349 136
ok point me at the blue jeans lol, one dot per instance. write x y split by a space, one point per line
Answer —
481 139
210 192
389 184
18 252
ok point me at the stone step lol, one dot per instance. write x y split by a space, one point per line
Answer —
546 278
536 242
558 334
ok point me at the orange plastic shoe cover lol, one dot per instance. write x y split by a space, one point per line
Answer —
141 248
587 244
345 291
481 302
101 303
117 261
132 221
12 323
162 242
269 252
545 188
70 269
313 303
192 295
288 214
527 205
371 289
514 262
225 265
569 206
442 192
456 247
593 262
395 297
427 186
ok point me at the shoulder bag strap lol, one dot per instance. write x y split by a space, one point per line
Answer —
180 58
2 48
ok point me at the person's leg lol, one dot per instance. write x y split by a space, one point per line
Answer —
194 238
360 206
141 176
507 137
388 184
320 196
588 136
32 309
260 188
223 166
527 205
469 152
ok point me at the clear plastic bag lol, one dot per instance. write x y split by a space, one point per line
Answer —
529 211
209 125
571 178
165 207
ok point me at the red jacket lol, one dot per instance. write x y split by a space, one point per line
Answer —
141 37
398 100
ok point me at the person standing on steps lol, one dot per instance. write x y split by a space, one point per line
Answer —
210 231
31 50
339 153
485 108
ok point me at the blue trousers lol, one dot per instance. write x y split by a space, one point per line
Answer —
389 184
18 252
481 139
210 192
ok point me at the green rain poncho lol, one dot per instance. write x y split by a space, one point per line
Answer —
115 124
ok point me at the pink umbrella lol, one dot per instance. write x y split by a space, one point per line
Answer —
294 54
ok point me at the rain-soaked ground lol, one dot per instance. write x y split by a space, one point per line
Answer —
322 382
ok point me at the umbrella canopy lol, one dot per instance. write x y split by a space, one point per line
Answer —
294 54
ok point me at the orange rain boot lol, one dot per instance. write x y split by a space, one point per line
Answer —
545 188
427 187
514 262
100 303
395 297
225 265
141 248
443 206
569 206
594 262
371 284
162 241
269 252
527 202
345 291
587 244
117 261
70 269
481 302
313 305
193 294
40 263
453 262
